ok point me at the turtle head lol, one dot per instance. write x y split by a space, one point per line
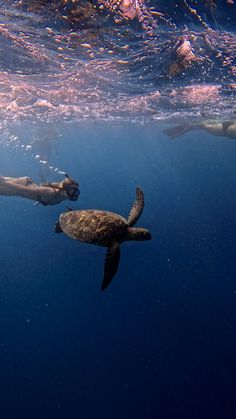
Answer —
139 234
57 227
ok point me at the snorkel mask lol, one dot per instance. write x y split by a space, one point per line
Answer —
72 188
75 195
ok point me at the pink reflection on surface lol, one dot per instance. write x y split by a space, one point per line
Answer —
195 95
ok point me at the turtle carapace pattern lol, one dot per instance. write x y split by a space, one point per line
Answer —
106 229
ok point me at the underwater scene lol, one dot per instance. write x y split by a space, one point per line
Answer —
118 209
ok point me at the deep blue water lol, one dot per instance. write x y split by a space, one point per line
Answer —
160 341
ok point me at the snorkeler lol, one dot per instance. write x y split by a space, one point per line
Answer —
217 128
44 193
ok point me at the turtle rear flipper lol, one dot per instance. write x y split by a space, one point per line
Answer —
111 264
137 207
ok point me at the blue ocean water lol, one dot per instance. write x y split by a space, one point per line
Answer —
160 341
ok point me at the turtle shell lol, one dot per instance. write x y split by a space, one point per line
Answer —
92 226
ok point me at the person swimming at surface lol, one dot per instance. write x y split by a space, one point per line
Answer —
217 128
44 193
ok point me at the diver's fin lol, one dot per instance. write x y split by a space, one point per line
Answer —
111 264
177 130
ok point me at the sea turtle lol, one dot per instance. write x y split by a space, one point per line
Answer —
105 229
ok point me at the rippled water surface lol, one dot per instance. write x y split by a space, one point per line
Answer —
55 68
118 103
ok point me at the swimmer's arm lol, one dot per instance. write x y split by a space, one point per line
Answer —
24 180
30 188
34 192
10 189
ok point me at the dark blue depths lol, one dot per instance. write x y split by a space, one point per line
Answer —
160 342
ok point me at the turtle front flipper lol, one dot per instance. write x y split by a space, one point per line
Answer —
111 264
137 207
